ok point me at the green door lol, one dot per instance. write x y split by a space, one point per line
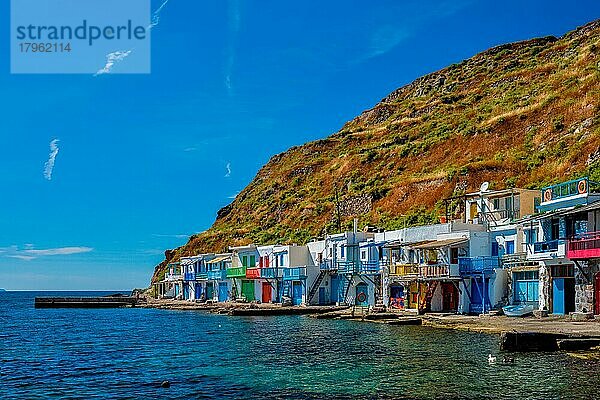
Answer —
248 290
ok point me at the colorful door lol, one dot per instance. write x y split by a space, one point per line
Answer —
558 295
297 293
267 292
362 295
510 247
223 291
335 289
449 297
186 291
210 290
198 291
479 293
397 297
248 290
322 298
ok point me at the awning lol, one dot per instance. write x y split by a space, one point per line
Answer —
219 259
399 243
438 244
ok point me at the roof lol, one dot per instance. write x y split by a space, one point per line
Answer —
372 244
437 244
561 212
219 259
400 243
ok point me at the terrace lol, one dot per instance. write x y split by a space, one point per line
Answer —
271 273
546 247
566 194
478 265
584 246
295 273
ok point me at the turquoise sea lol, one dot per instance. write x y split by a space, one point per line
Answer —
127 353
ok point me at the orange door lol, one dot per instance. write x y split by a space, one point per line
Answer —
266 293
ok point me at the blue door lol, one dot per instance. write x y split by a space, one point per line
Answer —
198 291
297 293
186 291
223 291
479 292
362 295
558 295
322 299
335 289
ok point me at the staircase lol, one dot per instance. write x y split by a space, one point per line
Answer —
346 289
315 286
428 296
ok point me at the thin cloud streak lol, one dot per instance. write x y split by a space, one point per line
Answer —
49 165
234 19
112 59
228 168
30 253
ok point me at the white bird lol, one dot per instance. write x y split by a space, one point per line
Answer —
491 359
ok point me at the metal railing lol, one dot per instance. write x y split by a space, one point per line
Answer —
477 265
545 247
565 189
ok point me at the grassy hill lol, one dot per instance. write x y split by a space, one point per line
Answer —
522 114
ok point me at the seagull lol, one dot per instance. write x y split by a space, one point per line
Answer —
491 359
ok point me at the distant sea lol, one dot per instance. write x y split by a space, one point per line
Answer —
127 353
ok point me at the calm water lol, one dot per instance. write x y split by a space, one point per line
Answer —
126 353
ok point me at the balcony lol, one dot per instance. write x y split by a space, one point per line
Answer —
296 273
200 276
271 273
566 194
328 265
584 247
189 276
347 267
434 271
173 277
404 270
217 275
252 273
237 272
545 247
478 265
492 216
369 268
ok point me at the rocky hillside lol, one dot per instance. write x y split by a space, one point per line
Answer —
523 114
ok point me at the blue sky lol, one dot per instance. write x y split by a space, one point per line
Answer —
146 160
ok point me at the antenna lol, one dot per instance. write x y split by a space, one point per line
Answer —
484 187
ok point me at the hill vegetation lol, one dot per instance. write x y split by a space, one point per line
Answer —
524 114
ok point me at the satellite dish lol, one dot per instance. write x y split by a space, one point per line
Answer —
484 187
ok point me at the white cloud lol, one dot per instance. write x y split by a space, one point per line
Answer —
112 59
29 253
49 165
189 149
233 196
228 169
177 236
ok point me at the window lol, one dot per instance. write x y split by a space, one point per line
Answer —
281 260
555 232
495 249
454 255
252 261
508 203
363 255
510 247
531 236
526 287
496 204
244 261
342 248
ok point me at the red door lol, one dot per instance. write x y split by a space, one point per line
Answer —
449 297
266 293
597 294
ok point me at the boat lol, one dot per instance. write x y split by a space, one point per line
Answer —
517 311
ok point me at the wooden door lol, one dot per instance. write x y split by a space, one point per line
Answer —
266 293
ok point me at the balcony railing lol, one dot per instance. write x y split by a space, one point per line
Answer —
294 273
347 267
237 272
328 265
498 215
201 276
477 265
189 276
271 273
173 277
545 247
253 273
434 271
566 194
404 270
369 267
584 246
217 275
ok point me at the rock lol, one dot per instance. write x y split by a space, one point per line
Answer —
581 316
529 341
165 384
540 313
577 344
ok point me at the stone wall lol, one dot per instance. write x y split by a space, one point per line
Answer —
584 285
544 291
